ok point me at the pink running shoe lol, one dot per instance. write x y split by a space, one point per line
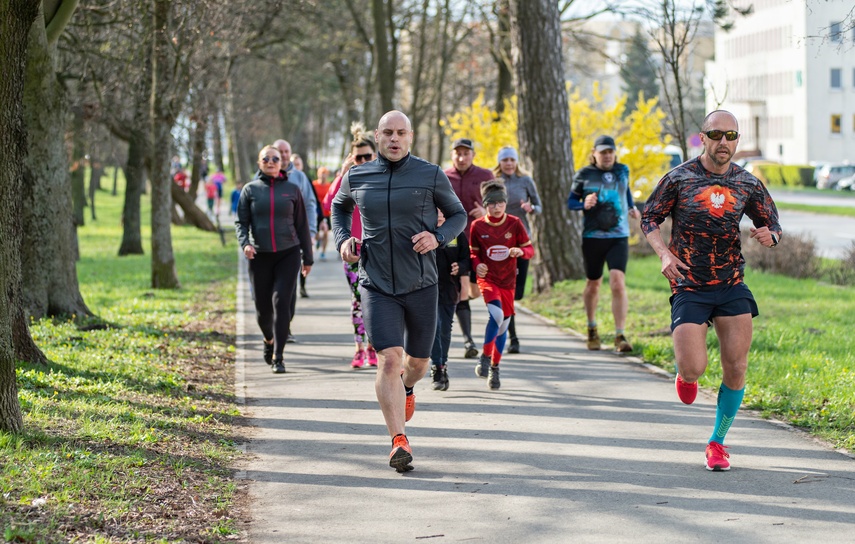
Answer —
372 357
686 391
358 359
717 457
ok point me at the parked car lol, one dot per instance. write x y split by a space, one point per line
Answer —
830 174
846 184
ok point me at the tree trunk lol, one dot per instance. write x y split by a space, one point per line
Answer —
96 172
163 272
49 247
192 213
135 181
16 18
502 56
385 67
78 169
544 135
217 139
198 152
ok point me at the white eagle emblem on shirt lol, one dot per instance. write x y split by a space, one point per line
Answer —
717 200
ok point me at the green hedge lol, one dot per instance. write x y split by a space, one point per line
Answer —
791 175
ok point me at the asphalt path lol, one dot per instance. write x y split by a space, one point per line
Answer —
576 446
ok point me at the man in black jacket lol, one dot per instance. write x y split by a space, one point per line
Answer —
398 195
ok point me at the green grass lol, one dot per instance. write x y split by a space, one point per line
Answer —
802 362
129 429
846 211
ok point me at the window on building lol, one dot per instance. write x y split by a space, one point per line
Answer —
834 33
836 78
835 123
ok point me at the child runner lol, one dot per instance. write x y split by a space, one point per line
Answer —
495 242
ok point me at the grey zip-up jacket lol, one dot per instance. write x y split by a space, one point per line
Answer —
271 217
396 201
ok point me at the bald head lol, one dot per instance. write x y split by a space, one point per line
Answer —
715 116
394 115
285 151
394 135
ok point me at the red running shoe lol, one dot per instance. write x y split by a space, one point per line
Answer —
686 391
358 359
402 454
717 457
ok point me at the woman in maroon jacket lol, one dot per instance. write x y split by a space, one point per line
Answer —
272 229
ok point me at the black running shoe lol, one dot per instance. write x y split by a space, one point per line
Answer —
278 366
470 351
515 346
493 378
268 353
436 376
482 368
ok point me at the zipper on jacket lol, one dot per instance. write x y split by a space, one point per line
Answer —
272 210
389 228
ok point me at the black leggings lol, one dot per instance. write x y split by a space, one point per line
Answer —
274 277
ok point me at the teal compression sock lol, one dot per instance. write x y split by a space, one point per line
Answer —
728 404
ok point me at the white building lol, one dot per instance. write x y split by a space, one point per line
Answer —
787 72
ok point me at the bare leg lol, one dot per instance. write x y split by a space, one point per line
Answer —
388 386
690 350
734 336
591 296
620 302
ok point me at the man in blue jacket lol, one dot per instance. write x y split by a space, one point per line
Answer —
397 195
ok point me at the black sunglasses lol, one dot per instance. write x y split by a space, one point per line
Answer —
716 135
362 158
266 160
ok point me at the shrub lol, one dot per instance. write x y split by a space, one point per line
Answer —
791 175
843 271
795 256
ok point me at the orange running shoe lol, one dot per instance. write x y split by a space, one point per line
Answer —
686 391
402 454
410 407
717 457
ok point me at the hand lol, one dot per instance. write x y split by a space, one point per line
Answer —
762 235
350 250
526 206
306 270
671 266
478 211
515 252
590 201
424 242
455 268
349 161
481 270
249 252
634 213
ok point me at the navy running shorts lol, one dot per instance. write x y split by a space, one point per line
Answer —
404 320
703 306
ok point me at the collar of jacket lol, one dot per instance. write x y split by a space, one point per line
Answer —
386 163
271 180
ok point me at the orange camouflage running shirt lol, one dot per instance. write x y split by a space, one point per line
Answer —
705 210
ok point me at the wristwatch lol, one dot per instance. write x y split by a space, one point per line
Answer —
440 239
774 240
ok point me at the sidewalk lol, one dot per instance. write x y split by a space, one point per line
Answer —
576 446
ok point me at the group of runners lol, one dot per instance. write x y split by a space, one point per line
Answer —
398 222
